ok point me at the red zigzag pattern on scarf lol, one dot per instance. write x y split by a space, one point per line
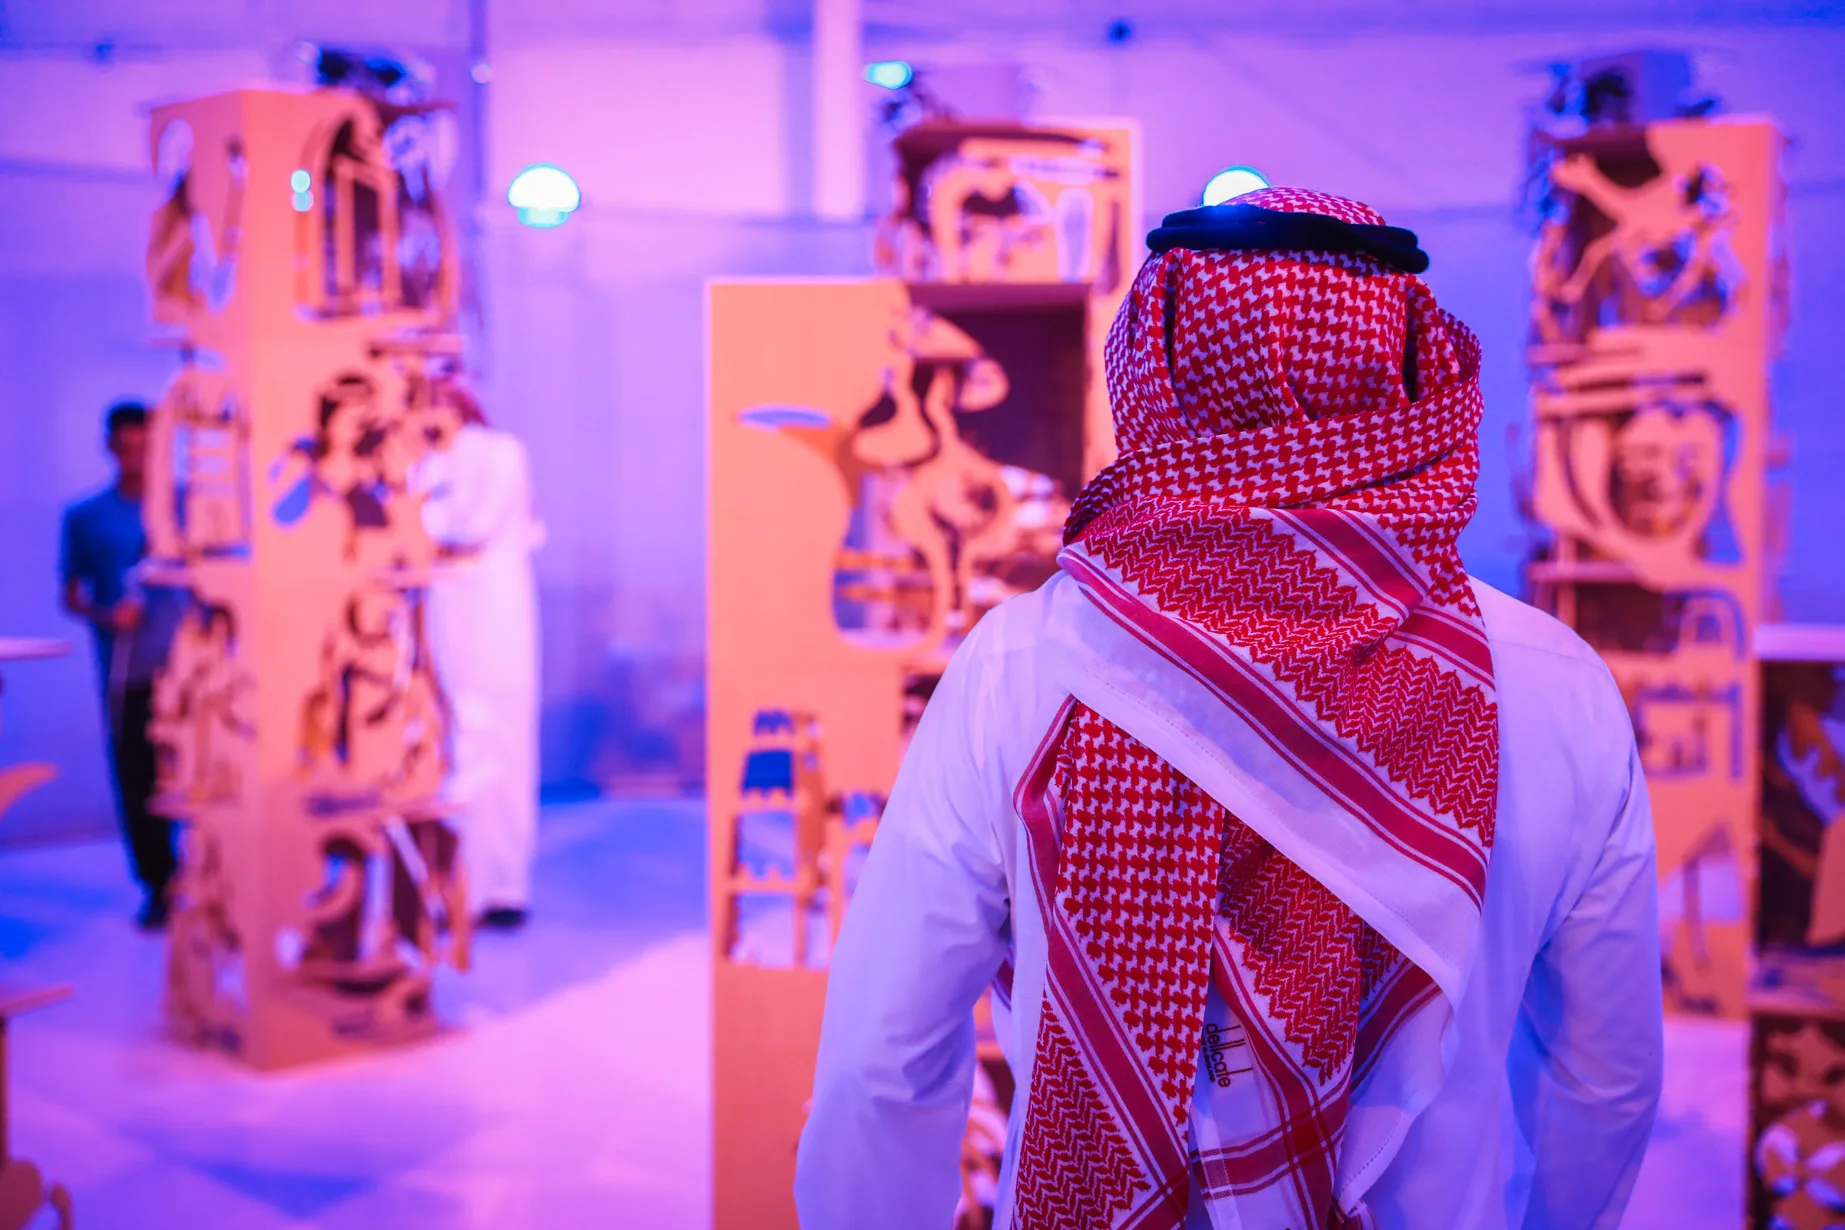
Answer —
1136 879
1314 960
1075 1171
1426 727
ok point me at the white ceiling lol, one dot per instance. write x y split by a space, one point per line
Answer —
137 27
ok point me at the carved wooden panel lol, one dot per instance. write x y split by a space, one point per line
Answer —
1655 314
991 205
301 261
1797 1121
890 459
886 467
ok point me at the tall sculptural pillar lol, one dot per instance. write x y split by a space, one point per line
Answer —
891 458
302 263
1656 311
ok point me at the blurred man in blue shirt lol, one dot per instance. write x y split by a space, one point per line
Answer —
103 540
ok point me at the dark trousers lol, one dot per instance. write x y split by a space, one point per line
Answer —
149 837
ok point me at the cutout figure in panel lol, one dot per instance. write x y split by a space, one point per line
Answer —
366 440
1802 896
391 907
1627 241
1639 473
796 847
196 235
374 724
199 449
203 722
993 203
373 236
1797 1155
797 851
958 477
207 985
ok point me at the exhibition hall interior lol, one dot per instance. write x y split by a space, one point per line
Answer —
491 492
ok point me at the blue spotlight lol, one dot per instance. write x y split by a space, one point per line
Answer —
891 74
543 195
1232 182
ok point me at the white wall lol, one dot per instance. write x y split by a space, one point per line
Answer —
686 122
1429 127
704 129
74 203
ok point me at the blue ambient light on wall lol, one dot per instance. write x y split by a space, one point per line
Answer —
543 195
891 74
301 184
1232 182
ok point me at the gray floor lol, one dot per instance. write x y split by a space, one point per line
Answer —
571 1094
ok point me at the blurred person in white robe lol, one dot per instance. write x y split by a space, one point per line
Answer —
483 633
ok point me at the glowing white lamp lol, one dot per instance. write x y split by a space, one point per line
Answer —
891 74
543 195
1232 182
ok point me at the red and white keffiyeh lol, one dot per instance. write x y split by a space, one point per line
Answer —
1298 457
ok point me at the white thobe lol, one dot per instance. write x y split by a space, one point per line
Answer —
483 631
1554 1075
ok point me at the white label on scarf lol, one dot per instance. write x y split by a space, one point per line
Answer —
1230 1102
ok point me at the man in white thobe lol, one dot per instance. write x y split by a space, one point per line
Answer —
1318 878
483 631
